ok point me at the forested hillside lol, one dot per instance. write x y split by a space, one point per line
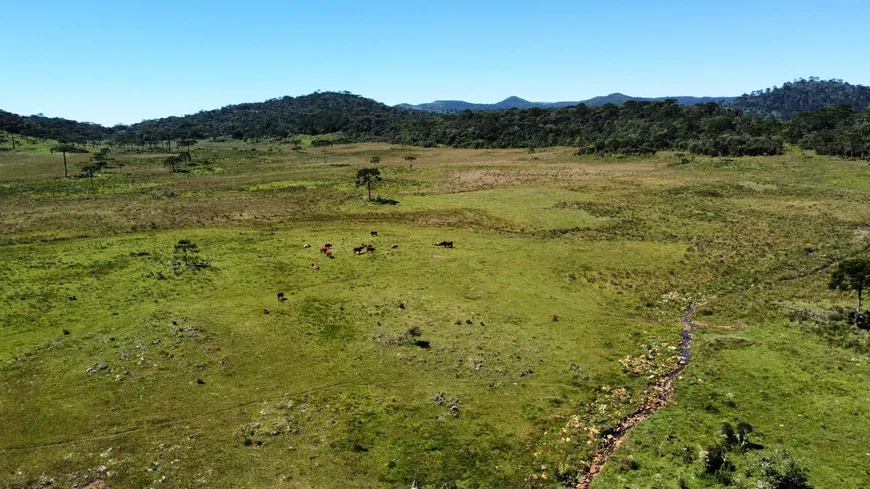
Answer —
52 127
357 117
630 128
633 128
786 102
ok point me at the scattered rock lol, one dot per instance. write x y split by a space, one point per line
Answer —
97 368
66 332
454 408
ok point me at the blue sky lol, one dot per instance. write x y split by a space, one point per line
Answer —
122 62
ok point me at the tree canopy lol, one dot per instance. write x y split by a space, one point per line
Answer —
366 177
633 128
852 274
786 102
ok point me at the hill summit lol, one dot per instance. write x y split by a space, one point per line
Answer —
803 95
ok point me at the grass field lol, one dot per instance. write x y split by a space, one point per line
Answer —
497 363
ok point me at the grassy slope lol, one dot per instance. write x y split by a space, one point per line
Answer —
596 243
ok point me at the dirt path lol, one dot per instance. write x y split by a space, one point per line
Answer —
661 393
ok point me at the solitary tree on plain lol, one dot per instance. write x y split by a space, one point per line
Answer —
99 161
852 274
375 160
66 148
411 160
173 163
186 247
366 177
322 143
185 143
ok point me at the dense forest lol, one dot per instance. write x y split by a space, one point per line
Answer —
633 128
786 102
52 128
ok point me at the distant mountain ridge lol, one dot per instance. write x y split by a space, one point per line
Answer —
514 102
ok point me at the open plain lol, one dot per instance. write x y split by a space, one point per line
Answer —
143 342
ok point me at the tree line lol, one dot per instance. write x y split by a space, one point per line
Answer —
634 128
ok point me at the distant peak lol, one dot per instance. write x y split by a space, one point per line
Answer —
514 99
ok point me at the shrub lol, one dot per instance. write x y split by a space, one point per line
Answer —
716 463
778 469
714 460
729 435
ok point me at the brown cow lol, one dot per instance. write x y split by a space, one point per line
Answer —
394 247
329 254
324 249
315 267
446 244
265 311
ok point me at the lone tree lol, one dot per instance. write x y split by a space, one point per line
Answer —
852 274
185 247
366 177
185 143
173 163
375 160
322 143
94 168
98 162
66 148
411 160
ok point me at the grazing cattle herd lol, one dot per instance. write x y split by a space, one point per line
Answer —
363 249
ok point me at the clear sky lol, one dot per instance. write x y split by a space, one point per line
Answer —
125 61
